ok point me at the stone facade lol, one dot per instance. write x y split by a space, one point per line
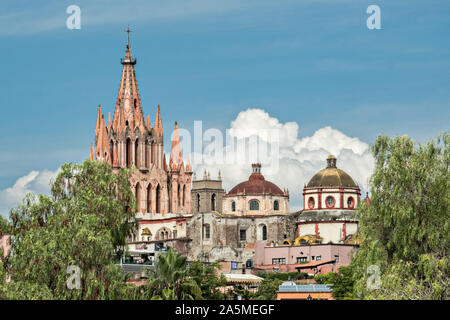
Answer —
207 194
220 237
235 237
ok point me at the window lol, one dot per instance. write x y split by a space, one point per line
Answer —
264 233
313 257
279 260
318 258
207 230
138 196
311 203
158 199
254 205
198 202
242 235
213 202
330 202
128 152
276 205
233 206
302 260
149 198
350 202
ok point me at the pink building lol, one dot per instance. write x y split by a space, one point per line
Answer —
312 259
4 244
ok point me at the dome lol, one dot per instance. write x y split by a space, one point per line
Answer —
331 176
256 184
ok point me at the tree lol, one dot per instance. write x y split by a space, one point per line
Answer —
83 223
170 279
342 282
404 230
268 289
207 278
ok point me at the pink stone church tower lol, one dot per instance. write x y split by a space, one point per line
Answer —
162 191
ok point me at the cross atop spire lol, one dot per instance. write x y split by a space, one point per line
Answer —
128 31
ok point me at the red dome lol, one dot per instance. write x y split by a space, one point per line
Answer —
256 184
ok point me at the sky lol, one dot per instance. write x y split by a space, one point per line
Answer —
310 68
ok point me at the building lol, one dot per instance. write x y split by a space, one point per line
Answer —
291 291
228 236
256 196
4 245
163 191
329 202
312 258
207 194
326 236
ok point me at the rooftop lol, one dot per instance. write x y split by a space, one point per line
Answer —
293 287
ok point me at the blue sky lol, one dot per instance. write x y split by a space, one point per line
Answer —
311 62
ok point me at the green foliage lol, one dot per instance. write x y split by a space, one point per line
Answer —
4 226
268 288
83 223
285 276
405 229
342 282
205 275
170 279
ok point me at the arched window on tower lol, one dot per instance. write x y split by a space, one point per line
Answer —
184 194
149 198
276 205
233 206
158 199
145 156
128 152
213 202
198 202
138 197
111 151
136 153
179 196
264 232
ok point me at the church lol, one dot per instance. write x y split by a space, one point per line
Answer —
248 228
163 190
251 228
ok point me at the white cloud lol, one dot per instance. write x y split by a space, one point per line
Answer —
298 158
34 182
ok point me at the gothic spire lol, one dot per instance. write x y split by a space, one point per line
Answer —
176 154
101 138
158 122
128 99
